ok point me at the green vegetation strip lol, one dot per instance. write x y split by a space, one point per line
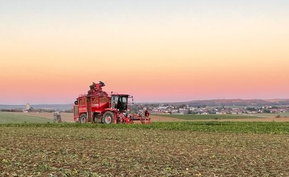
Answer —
234 127
9 118
210 116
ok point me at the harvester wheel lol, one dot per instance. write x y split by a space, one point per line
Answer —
82 118
107 117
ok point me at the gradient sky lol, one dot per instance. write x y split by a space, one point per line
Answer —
156 50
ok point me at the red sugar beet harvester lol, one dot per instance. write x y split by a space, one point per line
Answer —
99 107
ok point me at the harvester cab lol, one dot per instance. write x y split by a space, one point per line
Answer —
120 102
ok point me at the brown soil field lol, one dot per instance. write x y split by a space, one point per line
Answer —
265 119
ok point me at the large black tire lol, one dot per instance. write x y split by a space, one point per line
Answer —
108 117
83 118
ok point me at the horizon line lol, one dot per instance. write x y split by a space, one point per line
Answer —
155 102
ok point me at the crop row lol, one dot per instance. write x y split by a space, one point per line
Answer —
234 127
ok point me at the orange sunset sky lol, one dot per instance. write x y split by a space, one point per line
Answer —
156 50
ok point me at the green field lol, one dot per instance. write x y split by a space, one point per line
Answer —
137 150
7 117
208 117
217 127
159 149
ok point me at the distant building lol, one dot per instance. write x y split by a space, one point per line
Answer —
27 108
